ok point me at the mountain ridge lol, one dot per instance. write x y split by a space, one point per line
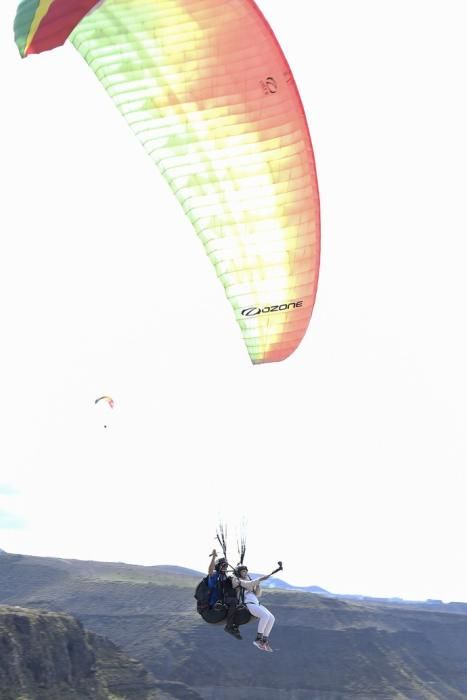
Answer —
272 583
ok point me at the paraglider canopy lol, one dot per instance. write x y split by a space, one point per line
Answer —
208 91
106 400
109 400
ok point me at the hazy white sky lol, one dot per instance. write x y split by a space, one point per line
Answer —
348 460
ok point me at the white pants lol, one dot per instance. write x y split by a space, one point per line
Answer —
266 618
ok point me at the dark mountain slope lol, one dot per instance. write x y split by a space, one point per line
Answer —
329 649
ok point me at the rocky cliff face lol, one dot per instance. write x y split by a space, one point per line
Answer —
45 655
49 656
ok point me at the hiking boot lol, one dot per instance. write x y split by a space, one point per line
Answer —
233 631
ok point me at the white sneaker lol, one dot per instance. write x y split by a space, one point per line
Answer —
258 643
267 647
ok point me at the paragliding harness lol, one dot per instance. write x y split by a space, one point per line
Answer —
218 612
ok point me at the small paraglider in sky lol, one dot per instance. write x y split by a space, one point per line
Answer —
107 399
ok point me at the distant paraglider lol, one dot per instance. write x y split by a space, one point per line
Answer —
108 399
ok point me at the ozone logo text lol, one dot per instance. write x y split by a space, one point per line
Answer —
256 310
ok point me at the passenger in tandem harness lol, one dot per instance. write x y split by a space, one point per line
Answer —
251 591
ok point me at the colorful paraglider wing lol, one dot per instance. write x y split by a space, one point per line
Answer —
41 25
108 399
207 90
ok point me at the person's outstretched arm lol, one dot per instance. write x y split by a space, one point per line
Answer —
212 563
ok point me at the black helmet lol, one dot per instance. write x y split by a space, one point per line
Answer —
221 564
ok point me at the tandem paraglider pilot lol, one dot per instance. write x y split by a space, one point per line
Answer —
222 592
